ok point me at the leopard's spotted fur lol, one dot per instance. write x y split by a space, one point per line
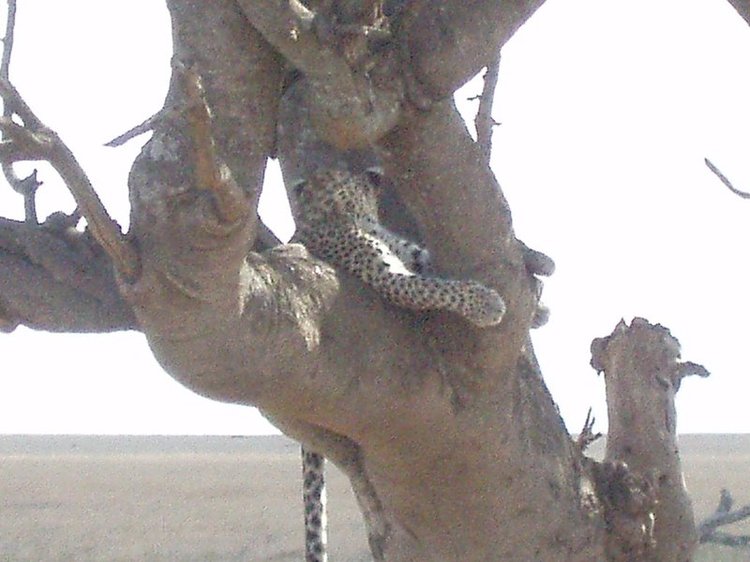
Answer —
337 220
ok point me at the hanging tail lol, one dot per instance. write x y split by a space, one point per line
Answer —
314 498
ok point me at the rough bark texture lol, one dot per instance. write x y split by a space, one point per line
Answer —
57 280
453 445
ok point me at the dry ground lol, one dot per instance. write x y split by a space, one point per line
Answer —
224 499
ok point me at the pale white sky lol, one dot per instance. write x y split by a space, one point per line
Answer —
607 109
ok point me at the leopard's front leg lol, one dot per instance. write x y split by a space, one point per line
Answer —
366 257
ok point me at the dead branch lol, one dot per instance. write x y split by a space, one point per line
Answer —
725 180
587 435
52 277
707 529
10 28
35 141
28 186
140 129
483 121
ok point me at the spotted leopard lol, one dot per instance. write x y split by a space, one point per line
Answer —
337 220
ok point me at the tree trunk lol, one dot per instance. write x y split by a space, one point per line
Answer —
453 445
643 375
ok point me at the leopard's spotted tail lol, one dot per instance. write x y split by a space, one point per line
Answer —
314 498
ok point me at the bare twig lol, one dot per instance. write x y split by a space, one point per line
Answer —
27 186
10 27
724 516
587 435
725 180
726 501
164 115
483 121
145 127
34 141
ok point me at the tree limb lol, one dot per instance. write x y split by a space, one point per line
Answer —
725 180
483 122
353 109
444 60
436 171
27 186
58 281
54 277
38 142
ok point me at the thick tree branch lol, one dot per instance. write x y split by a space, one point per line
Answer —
58 280
241 77
643 373
449 42
211 317
353 109
350 110
288 26
437 172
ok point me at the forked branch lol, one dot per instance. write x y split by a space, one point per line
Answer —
27 186
587 435
34 141
724 515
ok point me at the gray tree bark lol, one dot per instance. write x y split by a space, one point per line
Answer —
453 445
